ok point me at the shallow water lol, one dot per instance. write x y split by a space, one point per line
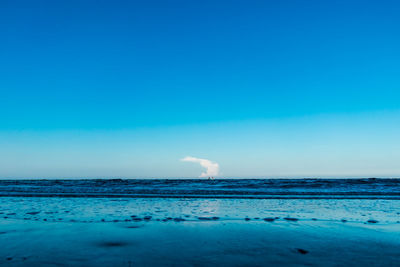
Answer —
140 209
198 243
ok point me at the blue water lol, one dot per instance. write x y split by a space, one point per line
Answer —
223 188
210 222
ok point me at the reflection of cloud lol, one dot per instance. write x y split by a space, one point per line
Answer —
210 207
212 168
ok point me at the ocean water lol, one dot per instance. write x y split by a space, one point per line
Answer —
286 222
202 188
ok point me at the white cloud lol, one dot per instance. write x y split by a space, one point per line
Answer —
212 168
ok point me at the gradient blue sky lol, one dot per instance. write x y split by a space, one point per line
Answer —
264 88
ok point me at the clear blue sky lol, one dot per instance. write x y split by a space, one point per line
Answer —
264 88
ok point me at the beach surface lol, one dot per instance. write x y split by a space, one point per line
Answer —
56 231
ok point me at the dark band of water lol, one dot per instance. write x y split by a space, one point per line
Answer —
202 188
66 195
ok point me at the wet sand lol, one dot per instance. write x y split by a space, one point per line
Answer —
198 232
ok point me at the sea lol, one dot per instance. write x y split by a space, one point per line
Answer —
371 188
200 222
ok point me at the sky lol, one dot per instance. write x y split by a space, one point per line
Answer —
96 89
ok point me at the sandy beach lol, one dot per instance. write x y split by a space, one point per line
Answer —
198 232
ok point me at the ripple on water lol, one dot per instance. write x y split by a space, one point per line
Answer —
112 244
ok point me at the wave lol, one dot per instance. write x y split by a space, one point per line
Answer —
196 188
